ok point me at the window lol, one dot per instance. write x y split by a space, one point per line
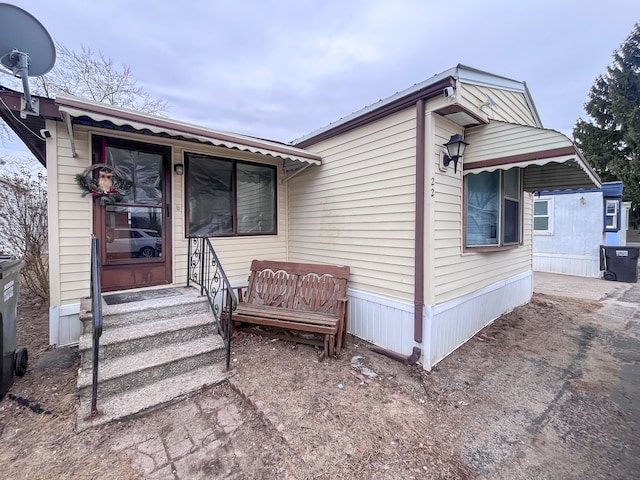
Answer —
492 206
542 216
126 226
611 215
228 197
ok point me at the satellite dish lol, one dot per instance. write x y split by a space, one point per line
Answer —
26 50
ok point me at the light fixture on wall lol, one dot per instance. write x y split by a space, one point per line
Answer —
178 168
455 149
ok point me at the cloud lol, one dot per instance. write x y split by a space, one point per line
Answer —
283 68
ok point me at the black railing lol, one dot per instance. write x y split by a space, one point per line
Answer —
206 271
96 314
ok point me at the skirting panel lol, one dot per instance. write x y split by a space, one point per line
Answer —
578 265
65 326
382 321
449 325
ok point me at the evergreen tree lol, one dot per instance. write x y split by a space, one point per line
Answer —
610 141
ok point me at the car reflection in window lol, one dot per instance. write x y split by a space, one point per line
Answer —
133 243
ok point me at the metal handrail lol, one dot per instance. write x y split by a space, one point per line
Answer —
96 315
206 271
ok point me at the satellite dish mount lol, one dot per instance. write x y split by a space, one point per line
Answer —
26 50
20 62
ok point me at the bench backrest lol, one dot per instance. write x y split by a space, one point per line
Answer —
297 286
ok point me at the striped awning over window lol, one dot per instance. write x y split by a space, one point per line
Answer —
73 109
549 159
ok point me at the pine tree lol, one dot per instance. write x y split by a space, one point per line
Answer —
610 141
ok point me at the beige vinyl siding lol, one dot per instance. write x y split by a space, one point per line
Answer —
499 140
454 273
358 207
179 244
70 217
511 105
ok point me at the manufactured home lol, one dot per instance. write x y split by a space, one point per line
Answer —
439 242
571 226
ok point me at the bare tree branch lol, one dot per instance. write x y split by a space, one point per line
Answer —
95 77
23 227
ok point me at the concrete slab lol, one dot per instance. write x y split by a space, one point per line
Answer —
139 296
577 287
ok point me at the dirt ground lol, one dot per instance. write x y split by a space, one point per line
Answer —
531 396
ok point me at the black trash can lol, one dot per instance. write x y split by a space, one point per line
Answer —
620 264
14 361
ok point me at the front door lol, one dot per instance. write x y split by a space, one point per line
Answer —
135 232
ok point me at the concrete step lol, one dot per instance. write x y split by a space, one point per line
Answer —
137 401
120 374
139 337
154 350
182 301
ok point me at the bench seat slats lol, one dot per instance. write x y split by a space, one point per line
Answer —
299 316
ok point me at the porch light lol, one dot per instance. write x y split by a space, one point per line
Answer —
455 148
178 168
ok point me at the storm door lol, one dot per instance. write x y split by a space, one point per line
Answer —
135 231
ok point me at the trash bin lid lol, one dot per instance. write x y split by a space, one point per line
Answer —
9 264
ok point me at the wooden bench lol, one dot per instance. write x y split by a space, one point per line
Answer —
297 297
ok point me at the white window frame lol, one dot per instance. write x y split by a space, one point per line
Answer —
549 216
614 215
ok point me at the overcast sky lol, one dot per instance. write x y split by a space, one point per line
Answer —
280 69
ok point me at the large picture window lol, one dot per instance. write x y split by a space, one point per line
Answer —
229 197
493 208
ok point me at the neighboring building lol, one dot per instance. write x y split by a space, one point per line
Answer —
436 252
570 226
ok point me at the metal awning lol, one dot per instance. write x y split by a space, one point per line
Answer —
74 110
549 159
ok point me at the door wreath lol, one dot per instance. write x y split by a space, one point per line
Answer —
110 187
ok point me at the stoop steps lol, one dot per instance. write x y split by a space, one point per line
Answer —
152 352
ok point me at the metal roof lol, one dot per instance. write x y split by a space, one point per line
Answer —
460 72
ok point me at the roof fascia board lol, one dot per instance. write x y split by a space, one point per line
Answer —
485 79
532 106
10 108
48 107
393 104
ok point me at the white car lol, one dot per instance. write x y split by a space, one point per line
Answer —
136 242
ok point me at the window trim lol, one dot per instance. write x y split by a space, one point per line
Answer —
549 216
615 215
501 246
234 162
